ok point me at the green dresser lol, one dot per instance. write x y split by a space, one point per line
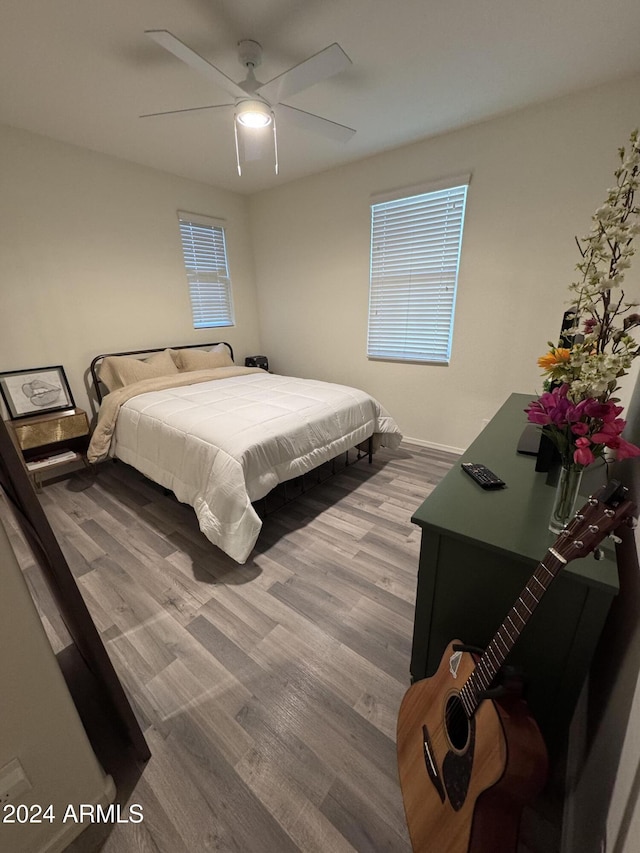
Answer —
479 548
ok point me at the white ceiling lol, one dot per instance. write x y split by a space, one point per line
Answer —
83 71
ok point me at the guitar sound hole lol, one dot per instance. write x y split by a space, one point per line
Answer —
457 723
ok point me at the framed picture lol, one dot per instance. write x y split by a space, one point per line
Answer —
35 391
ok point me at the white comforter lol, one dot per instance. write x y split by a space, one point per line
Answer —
221 445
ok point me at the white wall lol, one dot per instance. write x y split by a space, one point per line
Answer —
40 725
90 258
604 757
537 177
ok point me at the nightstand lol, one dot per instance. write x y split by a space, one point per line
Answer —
52 441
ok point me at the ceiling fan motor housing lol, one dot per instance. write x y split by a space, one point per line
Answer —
250 53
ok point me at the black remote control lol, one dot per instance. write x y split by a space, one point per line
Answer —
482 475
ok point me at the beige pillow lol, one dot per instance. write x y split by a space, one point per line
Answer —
197 359
116 371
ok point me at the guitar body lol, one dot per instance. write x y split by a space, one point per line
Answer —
464 781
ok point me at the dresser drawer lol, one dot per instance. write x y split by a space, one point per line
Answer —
49 429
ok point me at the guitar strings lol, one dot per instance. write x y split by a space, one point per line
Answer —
456 721
461 706
487 670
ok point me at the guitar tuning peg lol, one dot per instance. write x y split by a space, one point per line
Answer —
631 522
615 538
598 554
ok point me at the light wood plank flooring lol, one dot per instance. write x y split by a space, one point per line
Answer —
268 693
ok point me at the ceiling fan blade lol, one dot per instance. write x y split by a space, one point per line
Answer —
318 67
169 42
309 121
185 110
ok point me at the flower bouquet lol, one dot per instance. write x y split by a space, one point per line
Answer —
578 410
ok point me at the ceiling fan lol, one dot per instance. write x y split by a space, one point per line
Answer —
256 105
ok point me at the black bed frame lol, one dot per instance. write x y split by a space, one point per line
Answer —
299 485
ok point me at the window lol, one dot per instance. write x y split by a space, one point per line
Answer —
205 259
416 238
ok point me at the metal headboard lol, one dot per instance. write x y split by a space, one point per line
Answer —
93 369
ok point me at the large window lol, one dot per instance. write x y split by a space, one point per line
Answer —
205 259
416 236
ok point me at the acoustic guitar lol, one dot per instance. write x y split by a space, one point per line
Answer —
469 758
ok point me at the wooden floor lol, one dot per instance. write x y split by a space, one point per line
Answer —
268 693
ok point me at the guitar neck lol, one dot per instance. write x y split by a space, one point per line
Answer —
507 634
599 517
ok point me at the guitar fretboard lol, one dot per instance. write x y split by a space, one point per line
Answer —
505 637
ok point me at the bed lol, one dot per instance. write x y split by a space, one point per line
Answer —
221 436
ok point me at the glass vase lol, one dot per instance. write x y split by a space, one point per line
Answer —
565 499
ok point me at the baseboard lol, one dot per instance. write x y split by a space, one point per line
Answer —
434 446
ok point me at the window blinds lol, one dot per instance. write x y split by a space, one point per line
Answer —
205 260
415 254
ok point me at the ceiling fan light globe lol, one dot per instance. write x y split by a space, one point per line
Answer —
254 114
254 120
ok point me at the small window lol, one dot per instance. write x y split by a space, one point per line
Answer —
205 260
416 237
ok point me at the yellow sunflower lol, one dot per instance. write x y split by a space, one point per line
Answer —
556 356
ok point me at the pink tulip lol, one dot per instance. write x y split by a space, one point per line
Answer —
580 428
583 454
624 449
